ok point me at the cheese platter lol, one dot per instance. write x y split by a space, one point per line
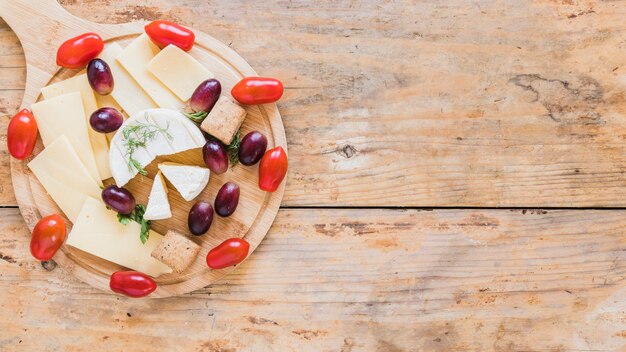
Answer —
143 131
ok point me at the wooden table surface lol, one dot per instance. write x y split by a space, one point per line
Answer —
457 182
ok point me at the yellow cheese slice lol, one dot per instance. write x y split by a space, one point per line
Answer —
99 145
126 92
65 178
64 115
97 231
134 59
178 71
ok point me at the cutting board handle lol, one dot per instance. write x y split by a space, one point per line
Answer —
41 26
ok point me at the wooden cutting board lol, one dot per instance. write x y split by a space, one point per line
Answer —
42 26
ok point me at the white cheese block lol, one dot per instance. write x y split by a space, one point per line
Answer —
97 231
134 59
64 177
188 180
158 207
64 115
178 71
172 135
126 91
99 145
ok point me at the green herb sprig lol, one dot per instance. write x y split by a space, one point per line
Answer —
233 149
137 136
137 216
197 116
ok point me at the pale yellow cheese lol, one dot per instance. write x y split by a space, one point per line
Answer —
64 115
178 71
64 177
126 91
98 231
134 59
99 145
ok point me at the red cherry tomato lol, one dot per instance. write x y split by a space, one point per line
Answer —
257 90
163 33
272 169
48 236
230 252
22 134
78 51
132 283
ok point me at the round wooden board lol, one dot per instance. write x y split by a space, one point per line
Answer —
256 210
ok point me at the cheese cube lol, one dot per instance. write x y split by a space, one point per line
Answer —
178 71
224 119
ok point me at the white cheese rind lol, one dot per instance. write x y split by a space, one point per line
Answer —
134 59
64 177
64 115
99 145
97 231
179 137
158 207
188 180
126 91
178 71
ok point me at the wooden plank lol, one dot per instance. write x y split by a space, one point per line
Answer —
331 280
459 103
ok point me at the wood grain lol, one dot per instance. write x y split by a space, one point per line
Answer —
483 103
339 280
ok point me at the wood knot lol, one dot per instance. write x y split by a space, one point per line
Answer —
347 151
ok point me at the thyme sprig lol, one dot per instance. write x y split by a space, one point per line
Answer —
196 117
137 136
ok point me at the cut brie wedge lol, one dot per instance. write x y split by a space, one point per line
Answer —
146 135
188 180
158 206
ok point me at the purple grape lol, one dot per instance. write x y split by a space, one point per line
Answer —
227 199
106 120
200 218
206 95
119 199
215 157
100 77
252 148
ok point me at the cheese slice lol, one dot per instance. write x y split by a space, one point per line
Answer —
64 177
99 145
178 71
134 59
170 135
188 180
158 207
64 115
97 231
126 91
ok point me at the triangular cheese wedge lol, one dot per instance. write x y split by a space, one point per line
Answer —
158 206
188 180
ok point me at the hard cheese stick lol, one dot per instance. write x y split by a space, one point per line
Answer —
134 59
126 92
98 141
97 231
178 71
65 178
64 115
